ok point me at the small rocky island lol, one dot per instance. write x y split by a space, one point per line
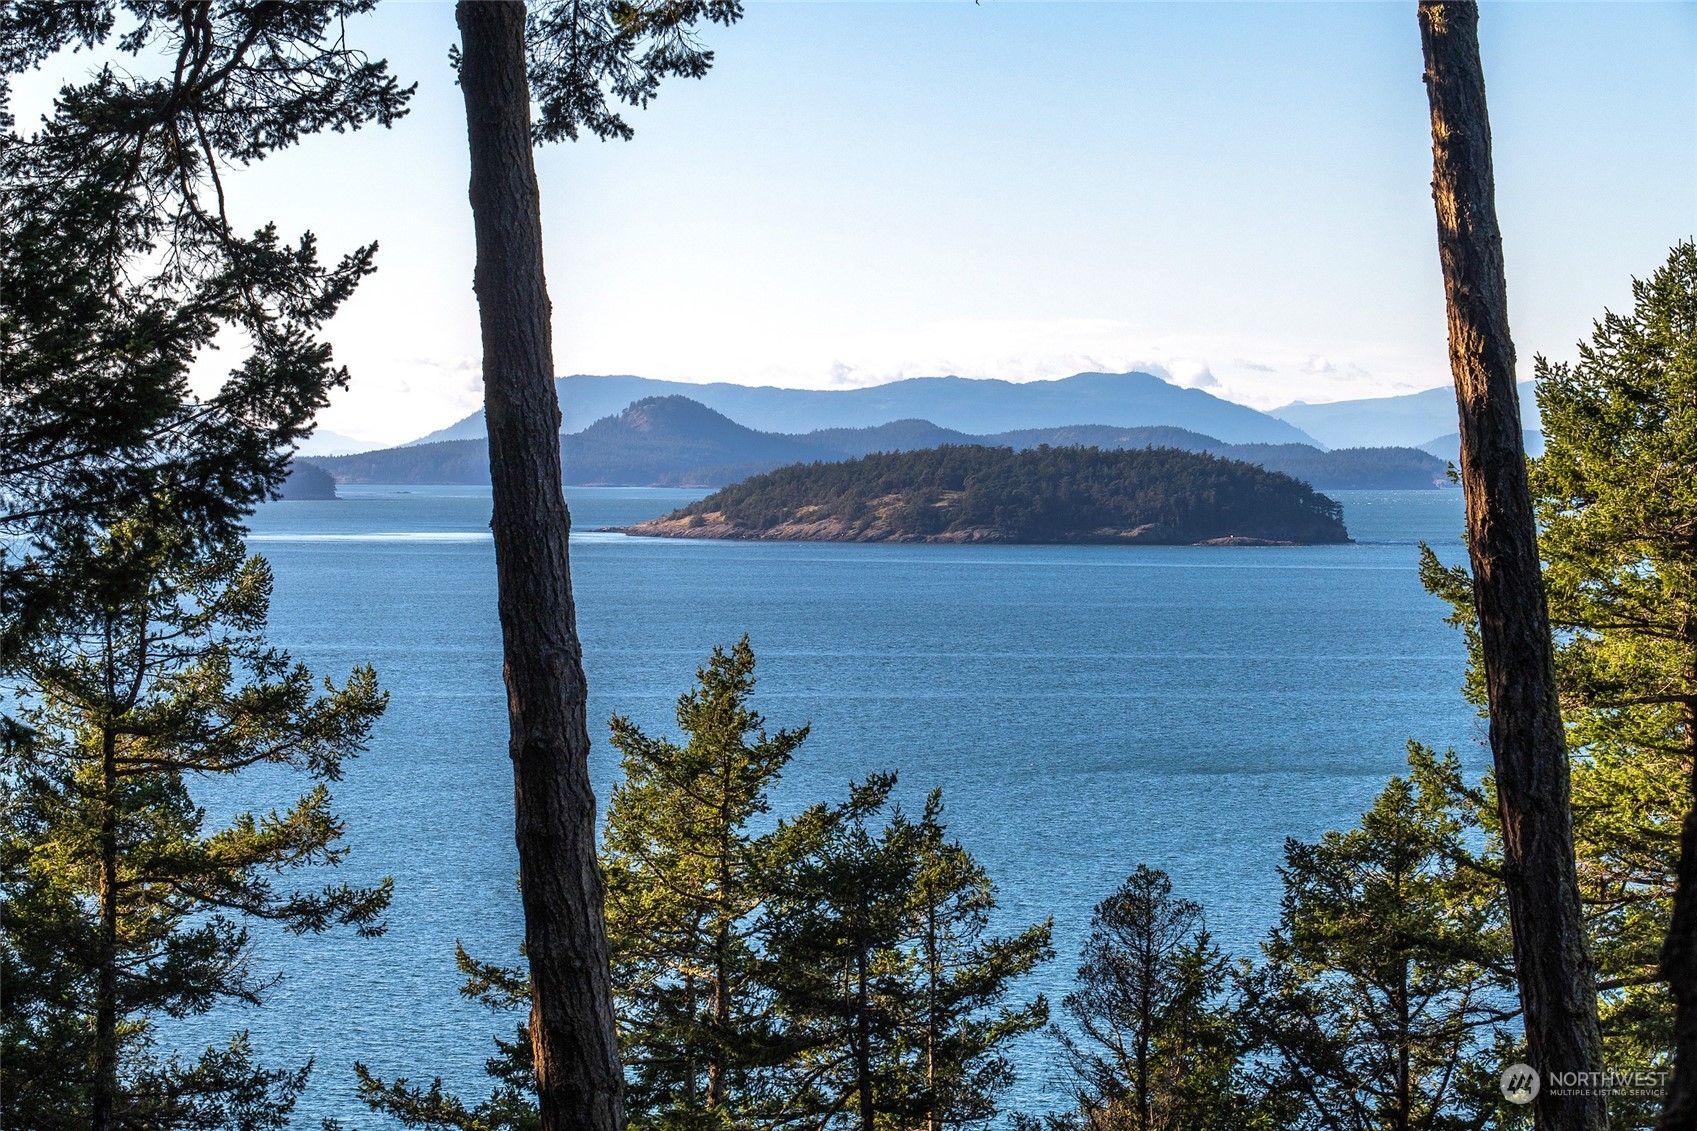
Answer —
969 493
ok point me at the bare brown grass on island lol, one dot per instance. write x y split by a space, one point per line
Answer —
972 494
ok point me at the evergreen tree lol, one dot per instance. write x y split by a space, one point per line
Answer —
1386 991
1553 963
579 60
121 265
888 996
1154 1043
963 975
120 904
1617 494
830 970
833 930
684 882
1614 495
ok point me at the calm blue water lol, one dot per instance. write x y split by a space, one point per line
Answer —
1084 709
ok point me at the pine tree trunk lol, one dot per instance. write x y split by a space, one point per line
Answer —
1404 1042
721 1013
1552 960
104 1093
579 1080
933 1020
1679 959
1145 1022
863 1039
716 1082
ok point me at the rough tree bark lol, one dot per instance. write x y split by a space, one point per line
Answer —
579 1080
1552 959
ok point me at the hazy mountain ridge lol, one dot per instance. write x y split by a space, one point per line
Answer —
323 442
674 441
1417 420
969 406
1448 448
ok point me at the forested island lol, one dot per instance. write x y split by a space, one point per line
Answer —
307 481
973 493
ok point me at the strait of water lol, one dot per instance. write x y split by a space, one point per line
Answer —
1084 708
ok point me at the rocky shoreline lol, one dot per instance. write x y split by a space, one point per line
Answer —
714 525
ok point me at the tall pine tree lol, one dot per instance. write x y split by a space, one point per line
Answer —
1153 1041
1614 498
684 884
1385 995
121 906
837 969
891 1002
1553 963
1617 495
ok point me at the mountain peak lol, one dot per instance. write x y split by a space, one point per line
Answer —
969 405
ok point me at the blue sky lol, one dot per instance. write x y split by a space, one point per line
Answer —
1233 195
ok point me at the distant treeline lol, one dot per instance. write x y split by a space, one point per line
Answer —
674 441
972 493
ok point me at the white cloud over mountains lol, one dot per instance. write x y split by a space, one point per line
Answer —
1260 374
1263 374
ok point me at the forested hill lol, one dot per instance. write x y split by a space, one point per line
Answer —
971 493
667 441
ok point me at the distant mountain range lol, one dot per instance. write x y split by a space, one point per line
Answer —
673 440
1122 400
323 442
1448 448
1415 420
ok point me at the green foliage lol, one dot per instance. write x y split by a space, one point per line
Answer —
120 904
1616 492
832 970
684 881
1617 499
884 979
834 928
585 59
1384 995
121 266
1155 1041
1042 494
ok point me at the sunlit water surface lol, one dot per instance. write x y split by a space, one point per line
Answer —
1084 708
